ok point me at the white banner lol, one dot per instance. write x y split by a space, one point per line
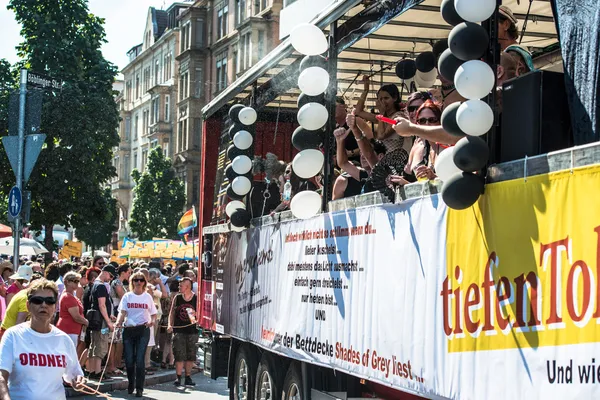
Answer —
361 291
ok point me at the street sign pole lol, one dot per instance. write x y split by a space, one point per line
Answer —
22 104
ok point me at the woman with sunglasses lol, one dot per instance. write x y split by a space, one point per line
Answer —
423 154
70 314
35 356
137 315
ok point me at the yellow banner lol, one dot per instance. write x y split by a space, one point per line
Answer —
72 249
523 265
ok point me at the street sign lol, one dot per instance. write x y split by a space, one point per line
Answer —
15 202
72 249
33 147
42 81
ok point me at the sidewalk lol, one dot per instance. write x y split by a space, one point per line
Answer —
120 382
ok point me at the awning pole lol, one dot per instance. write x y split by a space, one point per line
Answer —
328 142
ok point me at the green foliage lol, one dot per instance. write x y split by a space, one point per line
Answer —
159 199
62 39
98 230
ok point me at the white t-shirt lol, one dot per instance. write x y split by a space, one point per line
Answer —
37 362
139 308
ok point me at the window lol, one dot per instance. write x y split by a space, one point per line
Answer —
127 128
179 137
157 72
199 33
186 31
167 65
135 160
197 133
166 148
144 159
128 90
146 79
135 127
198 81
154 117
259 5
288 2
182 135
235 58
184 88
145 121
246 52
154 143
240 12
222 15
126 167
195 187
167 108
261 45
221 71
137 86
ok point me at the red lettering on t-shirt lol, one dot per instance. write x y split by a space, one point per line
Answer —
59 362
42 360
64 361
51 360
137 305
23 359
33 360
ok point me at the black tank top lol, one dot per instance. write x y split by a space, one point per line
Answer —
181 317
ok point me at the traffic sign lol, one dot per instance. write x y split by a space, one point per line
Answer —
43 81
15 202
33 147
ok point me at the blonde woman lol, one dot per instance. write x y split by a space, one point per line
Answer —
70 314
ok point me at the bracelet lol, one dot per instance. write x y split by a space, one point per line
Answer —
361 137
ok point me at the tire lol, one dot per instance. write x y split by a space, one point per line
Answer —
244 375
268 379
292 384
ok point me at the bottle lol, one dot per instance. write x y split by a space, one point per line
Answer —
287 191
191 314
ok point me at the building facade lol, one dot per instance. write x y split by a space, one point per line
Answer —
190 53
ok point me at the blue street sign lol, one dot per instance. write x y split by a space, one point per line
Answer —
15 202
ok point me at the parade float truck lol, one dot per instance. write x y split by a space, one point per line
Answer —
413 299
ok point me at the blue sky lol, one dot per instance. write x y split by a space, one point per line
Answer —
125 22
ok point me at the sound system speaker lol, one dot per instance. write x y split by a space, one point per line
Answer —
535 116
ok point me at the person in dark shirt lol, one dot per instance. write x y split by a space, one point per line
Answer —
350 144
182 322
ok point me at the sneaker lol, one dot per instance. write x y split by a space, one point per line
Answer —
178 382
189 381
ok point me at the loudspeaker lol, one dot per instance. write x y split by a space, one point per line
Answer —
535 116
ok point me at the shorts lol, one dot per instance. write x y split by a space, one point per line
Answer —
184 346
99 344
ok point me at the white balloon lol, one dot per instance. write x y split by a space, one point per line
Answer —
241 164
306 204
312 116
474 79
426 79
243 140
241 185
308 163
313 81
309 40
444 165
474 117
475 10
247 116
232 206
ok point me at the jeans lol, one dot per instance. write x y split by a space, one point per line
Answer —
134 346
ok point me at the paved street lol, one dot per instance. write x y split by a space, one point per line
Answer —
206 389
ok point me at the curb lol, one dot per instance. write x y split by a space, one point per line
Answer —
122 383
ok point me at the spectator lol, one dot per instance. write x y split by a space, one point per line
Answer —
423 154
19 279
192 275
182 318
71 318
16 312
101 303
298 185
83 282
99 262
508 33
159 292
167 337
137 314
414 101
62 270
118 288
52 273
20 375
350 144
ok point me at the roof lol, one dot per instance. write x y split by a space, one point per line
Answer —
409 32
160 21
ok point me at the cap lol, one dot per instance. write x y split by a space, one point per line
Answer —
507 12
25 272
110 269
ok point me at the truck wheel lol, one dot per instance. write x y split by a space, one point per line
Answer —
244 374
292 384
268 381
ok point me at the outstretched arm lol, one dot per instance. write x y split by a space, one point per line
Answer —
435 134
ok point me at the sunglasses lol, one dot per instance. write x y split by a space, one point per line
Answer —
101 264
423 121
38 300
138 280
74 281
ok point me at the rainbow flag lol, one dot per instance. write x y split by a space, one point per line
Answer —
187 222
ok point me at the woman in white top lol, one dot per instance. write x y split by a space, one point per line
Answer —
137 315
35 356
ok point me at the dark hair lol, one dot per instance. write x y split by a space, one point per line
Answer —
185 278
114 264
433 107
418 96
174 286
154 264
96 260
121 269
513 31
52 272
378 146
64 268
393 91
182 268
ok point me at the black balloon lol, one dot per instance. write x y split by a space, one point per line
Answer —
305 99
303 139
233 152
425 61
312 61
230 173
449 120
471 153
234 112
235 128
448 64
468 41
462 190
240 218
449 13
406 69
233 195
439 47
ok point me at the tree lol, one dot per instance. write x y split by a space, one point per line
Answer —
97 231
62 39
159 199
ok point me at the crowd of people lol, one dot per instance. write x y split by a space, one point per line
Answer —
100 319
